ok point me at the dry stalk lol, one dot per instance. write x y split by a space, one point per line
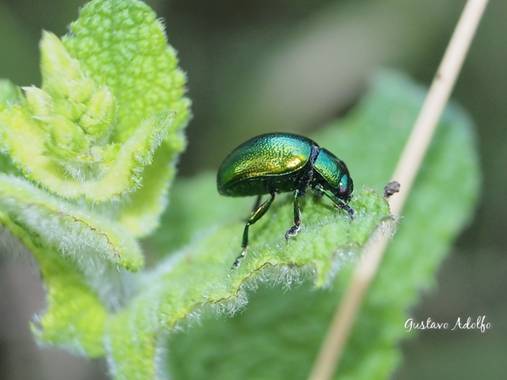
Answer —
405 173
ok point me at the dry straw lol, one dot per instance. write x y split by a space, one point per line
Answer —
405 173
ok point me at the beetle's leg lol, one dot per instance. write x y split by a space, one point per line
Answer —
293 231
256 214
318 193
257 203
339 203
347 208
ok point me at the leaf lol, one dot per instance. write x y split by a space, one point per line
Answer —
201 276
130 55
9 94
94 151
86 161
141 213
107 123
290 325
279 334
122 45
75 317
79 253
71 231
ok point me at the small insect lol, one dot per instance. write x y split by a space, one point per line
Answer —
282 162
391 188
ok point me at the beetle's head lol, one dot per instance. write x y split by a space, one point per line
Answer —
345 187
333 175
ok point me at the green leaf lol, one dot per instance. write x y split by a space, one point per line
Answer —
201 275
82 235
75 317
86 161
279 333
9 93
79 253
121 44
94 151
129 54
290 325
107 123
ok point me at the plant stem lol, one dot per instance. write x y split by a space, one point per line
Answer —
405 173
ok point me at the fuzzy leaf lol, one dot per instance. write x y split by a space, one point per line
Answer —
201 275
75 317
85 236
122 45
290 325
104 131
86 161
79 254
9 93
107 123
279 334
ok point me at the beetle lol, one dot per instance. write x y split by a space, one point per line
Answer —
276 163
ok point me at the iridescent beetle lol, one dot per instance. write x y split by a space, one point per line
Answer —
281 162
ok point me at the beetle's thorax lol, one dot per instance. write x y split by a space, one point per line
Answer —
329 172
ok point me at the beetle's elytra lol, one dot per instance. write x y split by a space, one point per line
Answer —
282 162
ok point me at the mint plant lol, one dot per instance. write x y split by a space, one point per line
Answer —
85 166
88 158
279 333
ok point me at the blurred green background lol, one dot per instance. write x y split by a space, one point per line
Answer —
295 66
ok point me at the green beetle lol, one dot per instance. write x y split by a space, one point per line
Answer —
282 162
